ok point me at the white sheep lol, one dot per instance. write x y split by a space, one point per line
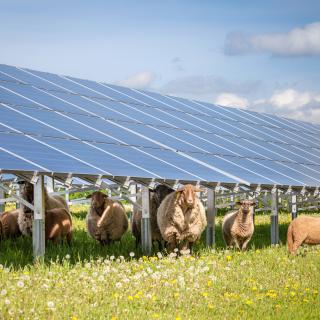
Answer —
106 219
181 218
26 214
238 226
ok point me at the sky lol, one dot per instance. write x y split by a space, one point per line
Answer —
257 55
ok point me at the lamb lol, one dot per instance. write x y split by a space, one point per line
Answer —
156 197
25 213
58 225
9 227
106 219
237 226
304 229
181 218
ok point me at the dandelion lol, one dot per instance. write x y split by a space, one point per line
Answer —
118 285
11 312
3 292
7 301
67 256
176 250
131 254
112 257
229 258
50 304
210 305
159 255
130 298
20 284
249 302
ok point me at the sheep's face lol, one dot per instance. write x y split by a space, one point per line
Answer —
188 195
246 205
160 192
97 200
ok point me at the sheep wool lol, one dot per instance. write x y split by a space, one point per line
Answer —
238 227
181 218
304 229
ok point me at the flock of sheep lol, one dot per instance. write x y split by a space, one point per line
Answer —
177 218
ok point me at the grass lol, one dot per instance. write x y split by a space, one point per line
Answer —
88 281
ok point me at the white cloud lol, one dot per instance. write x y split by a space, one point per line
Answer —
303 41
290 99
292 104
140 80
231 100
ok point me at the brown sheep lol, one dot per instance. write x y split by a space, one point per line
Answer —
9 227
58 225
26 214
237 226
181 218
106 219
156 197
304 229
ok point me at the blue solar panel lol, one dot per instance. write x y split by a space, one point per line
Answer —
124 132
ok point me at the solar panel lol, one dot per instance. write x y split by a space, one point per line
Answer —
63 124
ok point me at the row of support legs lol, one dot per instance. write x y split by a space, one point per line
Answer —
39 217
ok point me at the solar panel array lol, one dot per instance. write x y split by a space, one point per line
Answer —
60 124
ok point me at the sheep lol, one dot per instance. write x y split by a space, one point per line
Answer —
25 213
156 197
106 219
181 218
9 227
304 229
58 225
237 226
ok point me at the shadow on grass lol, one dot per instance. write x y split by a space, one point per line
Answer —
18 253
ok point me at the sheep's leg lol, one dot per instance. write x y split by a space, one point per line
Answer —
159 245
171 246
296 244
245 244
237 243
69 239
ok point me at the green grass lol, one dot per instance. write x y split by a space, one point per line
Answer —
88 281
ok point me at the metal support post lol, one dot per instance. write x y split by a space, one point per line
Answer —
133 192
294 211
145 222
50 184
39 219
2 205
211 214
67 196
274 217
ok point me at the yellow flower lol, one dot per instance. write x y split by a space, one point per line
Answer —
229 258
176 294
292 293
209 283
254 288
205 294
178 318
305 300
210 306
113 318
249 302
155 315
258 251
130 297
74 318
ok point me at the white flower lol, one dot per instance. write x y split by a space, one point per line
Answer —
68 256
3 292
7 301
20 284
101 278
121 258
50 304
45 286
131 254
159 254
1 267
118 260
176 250
112 257
118 285
11 312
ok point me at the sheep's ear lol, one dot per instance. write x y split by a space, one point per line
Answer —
196 189
239 203
89 196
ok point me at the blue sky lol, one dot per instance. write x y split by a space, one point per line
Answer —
261 55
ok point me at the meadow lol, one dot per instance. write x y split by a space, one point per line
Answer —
87 281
